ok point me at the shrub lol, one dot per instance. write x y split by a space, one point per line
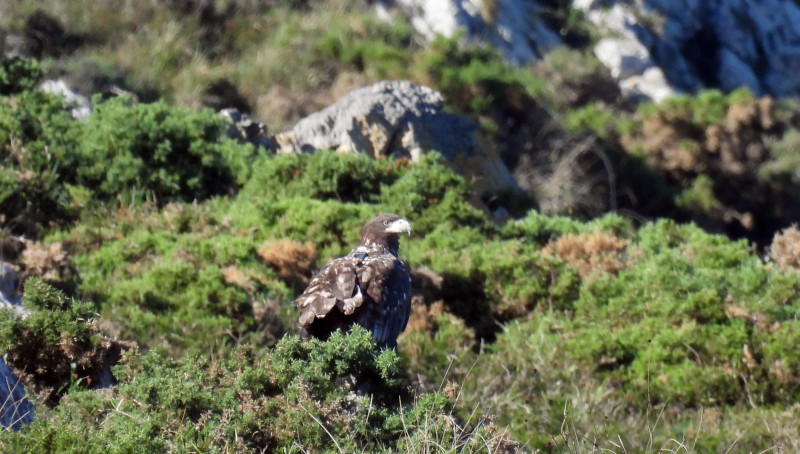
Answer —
785 248
782 171
473 79
591 253
435 195
56 347
542 229
160 276
18 74
154 152
124 152
35 134
298 397
593 118
707 108
681 311
699 197
323 175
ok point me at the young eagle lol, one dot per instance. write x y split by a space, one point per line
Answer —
368 287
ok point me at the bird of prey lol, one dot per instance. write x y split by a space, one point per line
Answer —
369 287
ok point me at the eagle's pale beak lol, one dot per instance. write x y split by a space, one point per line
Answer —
399 226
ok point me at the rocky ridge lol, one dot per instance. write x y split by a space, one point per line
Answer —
653 48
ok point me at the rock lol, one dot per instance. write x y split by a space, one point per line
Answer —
9 297
513 26
695 44
402 120
246 130
81 109
651 85
626 57
15 410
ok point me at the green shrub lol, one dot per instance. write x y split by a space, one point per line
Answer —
298 397
324 175
706 108
541 229
124 152
474 79
56 347
162 276
435 195
18 74
35 136
593 118
699 197
782 171
158 153
689 307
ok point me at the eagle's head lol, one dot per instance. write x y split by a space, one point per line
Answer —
383 230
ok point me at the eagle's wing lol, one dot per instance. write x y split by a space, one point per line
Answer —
334 285
386 282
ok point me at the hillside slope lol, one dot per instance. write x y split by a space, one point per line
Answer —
153 247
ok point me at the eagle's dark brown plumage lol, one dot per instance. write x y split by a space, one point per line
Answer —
369 287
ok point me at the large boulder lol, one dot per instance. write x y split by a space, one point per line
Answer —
398 119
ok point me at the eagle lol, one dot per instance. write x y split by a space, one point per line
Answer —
369 287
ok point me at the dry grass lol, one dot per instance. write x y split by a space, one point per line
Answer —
233 275
48 261
579 181
292 260
591 253
785 248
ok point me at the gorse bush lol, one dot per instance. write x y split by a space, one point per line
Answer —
325 175
35 137
18 74
158 153
55 346
681 311
340 395
160 273
708 107
124 152
686 304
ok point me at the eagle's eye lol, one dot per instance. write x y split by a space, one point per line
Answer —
386 222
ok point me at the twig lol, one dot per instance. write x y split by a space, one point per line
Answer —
339 448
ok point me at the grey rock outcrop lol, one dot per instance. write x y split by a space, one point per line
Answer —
15 409
9 298
402 120
699 44
513 26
